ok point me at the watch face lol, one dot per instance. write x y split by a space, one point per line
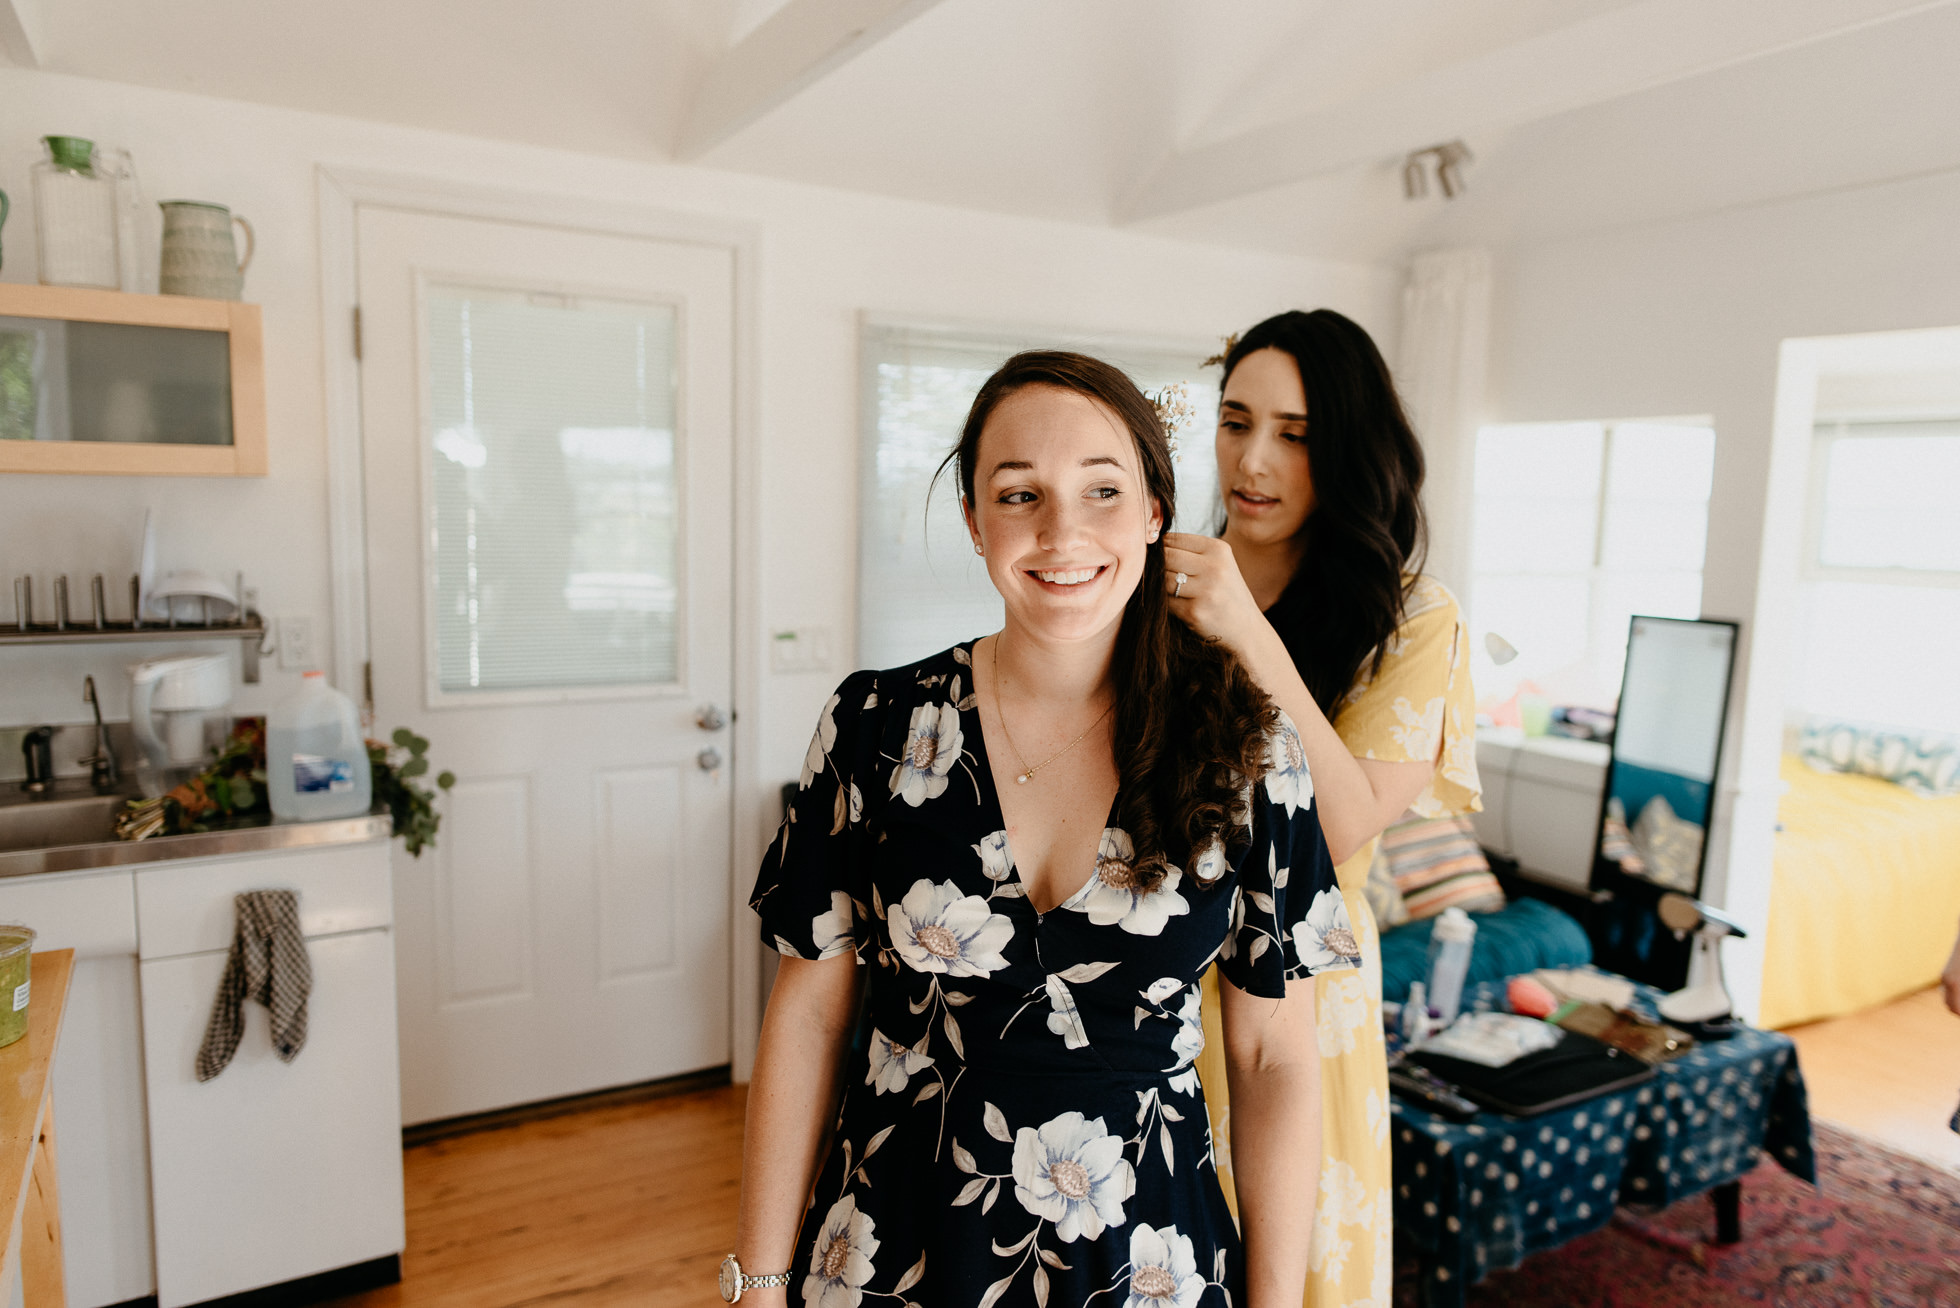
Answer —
731 1279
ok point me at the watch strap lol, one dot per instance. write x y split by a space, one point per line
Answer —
764 1282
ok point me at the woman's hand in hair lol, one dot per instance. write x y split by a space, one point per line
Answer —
1214 599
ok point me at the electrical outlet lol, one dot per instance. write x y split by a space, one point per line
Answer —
296 643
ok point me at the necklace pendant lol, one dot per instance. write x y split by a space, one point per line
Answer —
1023 778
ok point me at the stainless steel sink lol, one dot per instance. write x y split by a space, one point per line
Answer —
59 820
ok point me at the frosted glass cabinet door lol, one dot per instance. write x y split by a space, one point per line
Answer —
274 1171
103 382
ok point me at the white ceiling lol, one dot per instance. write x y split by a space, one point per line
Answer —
1279 124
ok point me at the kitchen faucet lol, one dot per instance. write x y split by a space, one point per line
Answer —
102 763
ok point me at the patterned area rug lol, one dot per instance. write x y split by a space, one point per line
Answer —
1881 1230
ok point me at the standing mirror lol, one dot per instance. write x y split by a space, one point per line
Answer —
1660 790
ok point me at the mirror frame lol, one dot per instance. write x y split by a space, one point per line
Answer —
1627 934
244 457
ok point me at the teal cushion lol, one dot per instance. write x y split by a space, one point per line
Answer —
1523 936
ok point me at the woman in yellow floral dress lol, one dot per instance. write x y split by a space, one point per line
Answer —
1316 584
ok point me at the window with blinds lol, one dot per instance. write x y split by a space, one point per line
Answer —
552 515
920 586
1881 575
1576 528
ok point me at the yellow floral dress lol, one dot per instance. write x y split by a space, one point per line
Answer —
1419 706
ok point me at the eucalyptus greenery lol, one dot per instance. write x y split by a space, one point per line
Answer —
411 804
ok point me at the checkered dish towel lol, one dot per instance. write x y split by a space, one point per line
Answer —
268 963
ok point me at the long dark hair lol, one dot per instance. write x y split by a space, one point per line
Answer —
1366 537
1190 724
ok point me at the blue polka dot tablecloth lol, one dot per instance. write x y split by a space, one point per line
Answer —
1472 1197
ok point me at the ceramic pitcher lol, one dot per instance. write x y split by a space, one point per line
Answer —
199 257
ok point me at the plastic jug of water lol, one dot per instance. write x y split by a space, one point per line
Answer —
316 762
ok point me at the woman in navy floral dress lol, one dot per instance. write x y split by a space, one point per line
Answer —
1023 1123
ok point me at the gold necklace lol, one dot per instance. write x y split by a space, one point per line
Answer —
1022 779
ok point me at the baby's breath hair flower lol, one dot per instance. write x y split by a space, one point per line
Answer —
1174 410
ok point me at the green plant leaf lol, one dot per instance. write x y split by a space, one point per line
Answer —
402 736
446 780
415 767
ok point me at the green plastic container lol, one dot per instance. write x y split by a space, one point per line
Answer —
16 950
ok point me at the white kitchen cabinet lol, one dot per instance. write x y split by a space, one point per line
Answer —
272 1171
103 1157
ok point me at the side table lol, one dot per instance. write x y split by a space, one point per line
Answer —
1472 1197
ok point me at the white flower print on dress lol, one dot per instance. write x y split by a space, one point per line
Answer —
1325 937
1418 729
1111 897
840 1259
892 1063
1064 1019
1287 780
1229 947
831 932
821 743
996 859
1163 1269
1188 1043
1342 999
932 746
937 928
1072 1172
1211 863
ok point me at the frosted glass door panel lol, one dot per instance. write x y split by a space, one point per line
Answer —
554 523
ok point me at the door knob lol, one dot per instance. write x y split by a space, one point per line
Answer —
708 760
710 718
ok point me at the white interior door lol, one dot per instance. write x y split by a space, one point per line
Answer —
546 420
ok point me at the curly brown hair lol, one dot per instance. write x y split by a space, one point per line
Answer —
1190 723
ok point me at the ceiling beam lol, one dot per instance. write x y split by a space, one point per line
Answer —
24 32
794 48
1601 58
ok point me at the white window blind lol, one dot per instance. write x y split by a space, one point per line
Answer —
553 521
1576 528
1880 610
920 586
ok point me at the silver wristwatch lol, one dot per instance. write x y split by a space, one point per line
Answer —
734 1281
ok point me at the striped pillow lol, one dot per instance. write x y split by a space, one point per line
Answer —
1436 865
1923 762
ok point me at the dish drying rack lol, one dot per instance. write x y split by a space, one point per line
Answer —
97 628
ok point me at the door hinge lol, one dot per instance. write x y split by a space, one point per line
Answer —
357 332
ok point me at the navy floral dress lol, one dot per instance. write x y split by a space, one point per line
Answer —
1026 1125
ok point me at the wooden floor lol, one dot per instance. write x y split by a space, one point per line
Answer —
636 1204
1892 1073
624 1205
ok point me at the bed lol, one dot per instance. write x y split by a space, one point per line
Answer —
1866 896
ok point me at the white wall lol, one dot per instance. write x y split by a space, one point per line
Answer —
1688 316
826 255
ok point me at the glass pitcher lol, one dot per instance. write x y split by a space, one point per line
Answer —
87 224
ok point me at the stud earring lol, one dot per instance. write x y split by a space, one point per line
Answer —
980 549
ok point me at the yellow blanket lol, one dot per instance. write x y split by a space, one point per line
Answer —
1866 897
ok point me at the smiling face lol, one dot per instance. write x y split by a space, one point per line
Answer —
1263 470
1060 509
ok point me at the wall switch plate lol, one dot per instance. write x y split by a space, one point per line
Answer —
296 643
806 649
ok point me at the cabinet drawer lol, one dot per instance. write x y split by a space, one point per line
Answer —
186 908
274 1171
92 913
